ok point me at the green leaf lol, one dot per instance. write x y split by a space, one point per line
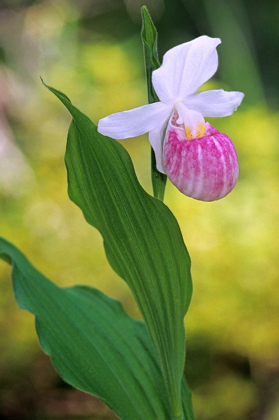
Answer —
93 343
149 38
142 239
187 401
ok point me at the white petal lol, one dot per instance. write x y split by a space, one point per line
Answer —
215 103
156 139
185 68
192 121
135 122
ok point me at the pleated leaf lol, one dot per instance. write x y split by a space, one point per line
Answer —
94 345
149 39
142 239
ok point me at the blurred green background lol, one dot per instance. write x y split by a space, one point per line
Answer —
91 50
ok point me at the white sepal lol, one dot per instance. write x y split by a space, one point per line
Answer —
156 137
215 103
135 122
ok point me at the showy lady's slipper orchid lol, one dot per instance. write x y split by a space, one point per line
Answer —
201 162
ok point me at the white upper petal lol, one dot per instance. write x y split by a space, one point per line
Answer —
191 119
215 103
135 122
185 68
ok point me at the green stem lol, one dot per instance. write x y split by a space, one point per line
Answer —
149 39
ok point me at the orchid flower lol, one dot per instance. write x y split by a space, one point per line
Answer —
201 162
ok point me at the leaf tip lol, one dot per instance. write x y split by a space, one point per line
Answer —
146 20
55 91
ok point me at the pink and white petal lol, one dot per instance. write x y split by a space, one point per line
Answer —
215 103
185 68
156 139
206 168
135 122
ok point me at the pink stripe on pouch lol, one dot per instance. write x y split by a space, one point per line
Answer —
204 168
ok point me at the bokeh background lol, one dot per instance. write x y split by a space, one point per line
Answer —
91 50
